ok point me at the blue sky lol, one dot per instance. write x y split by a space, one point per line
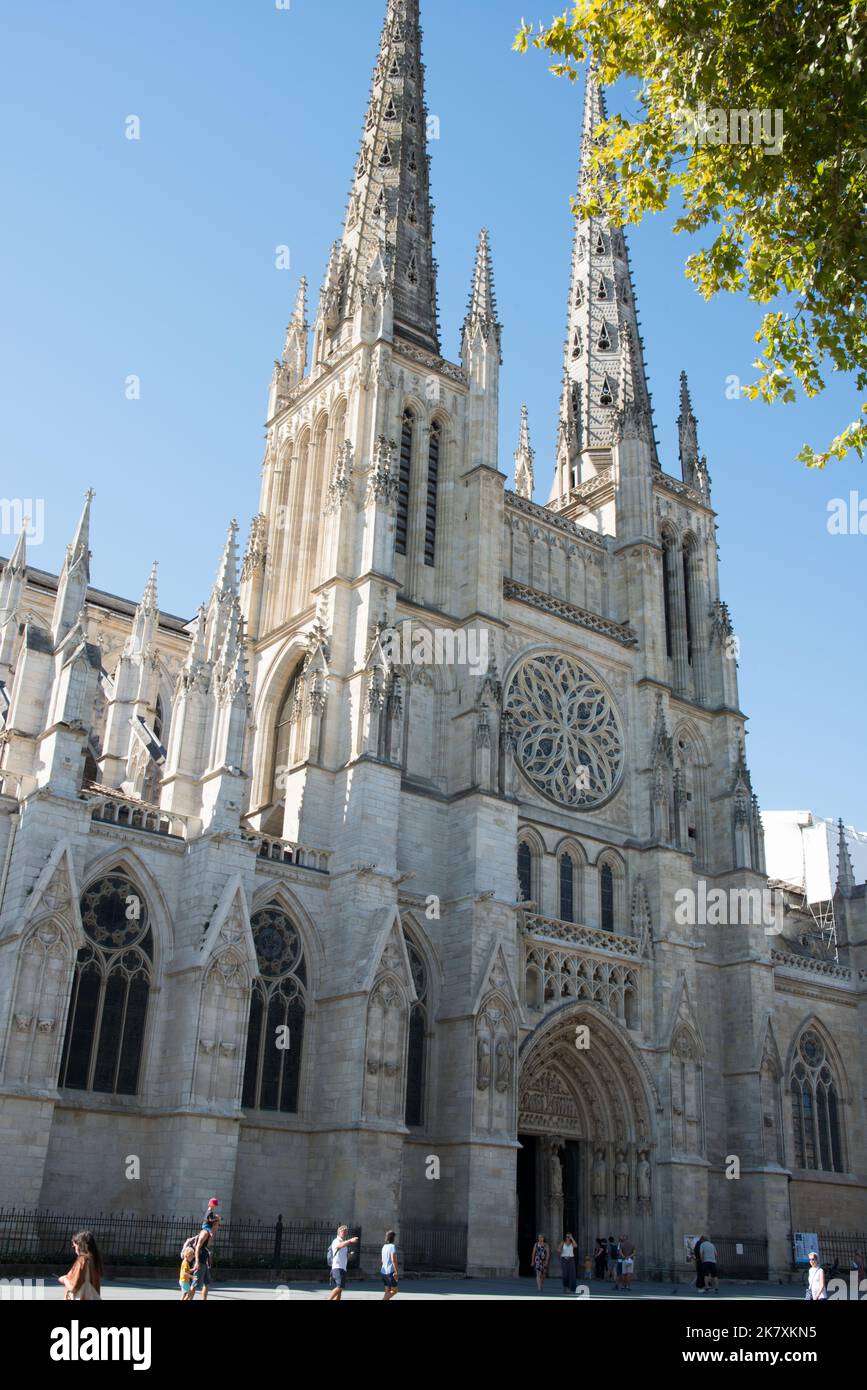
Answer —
156 258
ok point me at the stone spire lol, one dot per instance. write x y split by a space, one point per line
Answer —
224 592
144 623
845 872
524 457
295 348
601 306
12 579
74 576
388 234
482 309
693 467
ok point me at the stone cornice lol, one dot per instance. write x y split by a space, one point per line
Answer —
570 612
553 519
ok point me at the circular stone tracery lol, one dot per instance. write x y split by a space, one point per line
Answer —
569 740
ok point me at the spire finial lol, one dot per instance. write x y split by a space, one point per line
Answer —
524 457
482 308
390 211
227 573
845 872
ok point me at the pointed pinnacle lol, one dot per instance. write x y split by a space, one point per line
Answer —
227 574
299 313
80 546
149 597
845 872
524 445
18 561
483 300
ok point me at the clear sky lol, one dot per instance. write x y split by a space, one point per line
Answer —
156 258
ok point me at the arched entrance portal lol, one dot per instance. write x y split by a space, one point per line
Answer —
585 1126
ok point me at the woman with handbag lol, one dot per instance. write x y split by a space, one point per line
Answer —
84 1280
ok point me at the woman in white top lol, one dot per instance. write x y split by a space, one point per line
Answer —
389 1267
568 1267
816 1279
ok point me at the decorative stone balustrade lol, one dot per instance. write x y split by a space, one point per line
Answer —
286 852
790 960
574 934
136 815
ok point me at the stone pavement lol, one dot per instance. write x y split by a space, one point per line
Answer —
487 1290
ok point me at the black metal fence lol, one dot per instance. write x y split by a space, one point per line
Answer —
839 1248
433 1247
741 1257
123 1238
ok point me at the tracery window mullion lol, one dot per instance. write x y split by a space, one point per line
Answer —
825 1155
105 973
432 491
404 479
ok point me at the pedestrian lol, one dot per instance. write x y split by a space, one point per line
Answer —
696 1255
540 1260
816 1290
390 1271
338 1256
568 1263
859 1268
600 1257
707 1253
627 1251
84 1280
203 1255
588 1268
613 1257
185 1278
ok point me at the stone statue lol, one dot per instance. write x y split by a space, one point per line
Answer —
504 1065
599 1175
643 1174
621 1177
483 1064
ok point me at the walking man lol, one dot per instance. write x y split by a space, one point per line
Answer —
338 1254
389 1267
202 1255
708 1266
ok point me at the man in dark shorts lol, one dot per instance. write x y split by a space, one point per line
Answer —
338 1254
708 1265
202 1260
389 1271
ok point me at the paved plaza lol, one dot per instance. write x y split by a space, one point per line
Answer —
427 1289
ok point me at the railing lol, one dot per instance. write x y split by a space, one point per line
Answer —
433 1247
135 815
45 1236
741 1257
286 852
592 938
839 1248
790 960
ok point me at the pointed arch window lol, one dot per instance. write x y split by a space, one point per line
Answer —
687 598
815 1111
413 164
606 898
601 291
275 1031
525 872
394 70
107 1017
668 562
416 1063
412 117
606 395
579 295
287 719
381 206
600 244
385 160
624 293
406 441
604 343
390 110
412 215
576 343
567 887
412 269
433 473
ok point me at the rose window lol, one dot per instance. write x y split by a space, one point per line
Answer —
568 737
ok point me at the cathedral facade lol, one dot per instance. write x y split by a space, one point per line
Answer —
420 877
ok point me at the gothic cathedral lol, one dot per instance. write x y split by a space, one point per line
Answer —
381 859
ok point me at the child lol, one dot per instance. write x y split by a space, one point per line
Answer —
186 1276
588 1268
